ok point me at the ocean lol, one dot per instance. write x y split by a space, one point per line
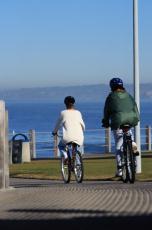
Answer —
41 116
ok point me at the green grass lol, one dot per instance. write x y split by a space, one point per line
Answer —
94 169
43 169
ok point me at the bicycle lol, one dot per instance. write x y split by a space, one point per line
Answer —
73 163
128 157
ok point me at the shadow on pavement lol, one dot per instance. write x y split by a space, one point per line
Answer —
104 223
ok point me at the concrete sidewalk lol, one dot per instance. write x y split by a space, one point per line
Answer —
44 204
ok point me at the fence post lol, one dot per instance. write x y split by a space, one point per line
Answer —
148 137
108 140
56 142
32 143
4 154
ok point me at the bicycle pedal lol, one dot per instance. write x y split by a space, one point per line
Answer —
66 161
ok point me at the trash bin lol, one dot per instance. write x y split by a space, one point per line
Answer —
20 149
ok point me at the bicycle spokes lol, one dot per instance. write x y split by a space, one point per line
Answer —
124 169
128 167
66 172
131 165
78 167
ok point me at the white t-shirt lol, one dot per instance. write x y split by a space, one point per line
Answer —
73 126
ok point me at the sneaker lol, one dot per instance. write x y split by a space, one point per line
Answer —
134 147
64 154
136 153
119 173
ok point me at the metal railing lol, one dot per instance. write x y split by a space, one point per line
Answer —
97 141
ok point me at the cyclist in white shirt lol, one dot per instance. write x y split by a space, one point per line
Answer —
72 124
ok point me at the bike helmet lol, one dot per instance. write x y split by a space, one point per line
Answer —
69 100
116 82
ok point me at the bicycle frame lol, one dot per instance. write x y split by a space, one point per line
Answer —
71 149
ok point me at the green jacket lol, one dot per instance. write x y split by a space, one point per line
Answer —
120 108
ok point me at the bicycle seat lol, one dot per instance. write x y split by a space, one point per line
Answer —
73 143
125 127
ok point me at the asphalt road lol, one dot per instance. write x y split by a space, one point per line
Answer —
46 204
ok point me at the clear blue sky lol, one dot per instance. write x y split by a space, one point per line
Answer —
71 42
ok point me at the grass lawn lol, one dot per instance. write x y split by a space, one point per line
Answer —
94 169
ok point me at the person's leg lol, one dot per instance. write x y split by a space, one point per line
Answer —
62 149
118 136
134 145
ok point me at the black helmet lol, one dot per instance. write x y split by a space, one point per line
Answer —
116 82
69 100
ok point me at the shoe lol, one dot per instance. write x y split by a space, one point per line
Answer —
136 153
119 173
134 146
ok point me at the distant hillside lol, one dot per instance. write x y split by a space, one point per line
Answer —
85 93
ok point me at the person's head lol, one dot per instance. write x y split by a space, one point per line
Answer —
69 101
116 83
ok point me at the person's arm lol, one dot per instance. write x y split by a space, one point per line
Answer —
82 122
58 124
105 120
83 125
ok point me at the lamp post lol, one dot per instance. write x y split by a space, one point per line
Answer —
136 78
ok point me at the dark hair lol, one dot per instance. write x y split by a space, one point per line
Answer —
69 101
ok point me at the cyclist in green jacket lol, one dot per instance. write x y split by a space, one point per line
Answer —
120 109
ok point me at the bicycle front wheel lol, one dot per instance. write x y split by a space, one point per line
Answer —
124 168
78 167
65 169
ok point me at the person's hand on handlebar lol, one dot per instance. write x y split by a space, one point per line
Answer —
54 133
105 124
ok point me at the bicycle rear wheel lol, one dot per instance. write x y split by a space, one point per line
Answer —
131 163
78 167
65 169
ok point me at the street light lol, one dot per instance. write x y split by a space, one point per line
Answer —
136 77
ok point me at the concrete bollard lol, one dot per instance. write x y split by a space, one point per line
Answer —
4 153
10 152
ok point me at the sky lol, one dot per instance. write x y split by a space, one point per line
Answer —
72 42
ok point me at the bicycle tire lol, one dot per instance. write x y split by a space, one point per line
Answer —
65 170
131 163
78 167
124 176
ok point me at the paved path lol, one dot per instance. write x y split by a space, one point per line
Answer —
43 204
